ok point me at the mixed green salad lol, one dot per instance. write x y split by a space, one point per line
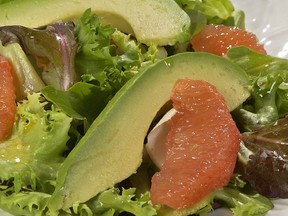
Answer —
70 75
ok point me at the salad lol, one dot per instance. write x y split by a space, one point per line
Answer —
76 142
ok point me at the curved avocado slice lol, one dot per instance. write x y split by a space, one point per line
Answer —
142 18
112 148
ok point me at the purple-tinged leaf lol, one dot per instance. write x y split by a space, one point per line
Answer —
52 49
267 167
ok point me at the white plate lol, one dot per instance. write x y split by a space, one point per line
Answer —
268 20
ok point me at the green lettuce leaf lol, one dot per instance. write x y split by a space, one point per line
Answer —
203 12
31 156
106 57
111 202
241 199
81 101
269 92
25 203
243 204
34 152
261 109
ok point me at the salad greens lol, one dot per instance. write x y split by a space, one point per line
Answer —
33 153
269 92
53 49
107 57
263 158
212 12
31 157
67 74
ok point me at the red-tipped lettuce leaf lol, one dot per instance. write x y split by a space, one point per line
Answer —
267 167
52 47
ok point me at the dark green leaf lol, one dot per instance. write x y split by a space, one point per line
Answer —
81 101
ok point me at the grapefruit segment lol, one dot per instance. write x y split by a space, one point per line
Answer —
201 147
7 98
217 39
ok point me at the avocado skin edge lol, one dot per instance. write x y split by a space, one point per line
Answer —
112 148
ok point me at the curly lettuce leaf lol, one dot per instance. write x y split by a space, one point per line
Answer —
106 57
211 8
25 203
261 108
111 202
34 152
254 63
31 157
243 204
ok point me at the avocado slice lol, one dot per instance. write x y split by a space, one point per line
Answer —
111 150
142 18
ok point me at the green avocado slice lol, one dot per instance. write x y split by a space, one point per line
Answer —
142 18
112 148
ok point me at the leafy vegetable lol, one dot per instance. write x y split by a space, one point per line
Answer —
106 57
111 202
262 156
25 203
212 12
256 64
81 101
269 76
264 161
31 157
242 203
52 47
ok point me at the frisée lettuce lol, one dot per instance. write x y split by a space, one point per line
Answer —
107 57
31 157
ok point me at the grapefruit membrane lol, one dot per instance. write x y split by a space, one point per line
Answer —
7 98
201 146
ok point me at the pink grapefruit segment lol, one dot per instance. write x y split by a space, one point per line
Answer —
201 148
218 39
7 98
